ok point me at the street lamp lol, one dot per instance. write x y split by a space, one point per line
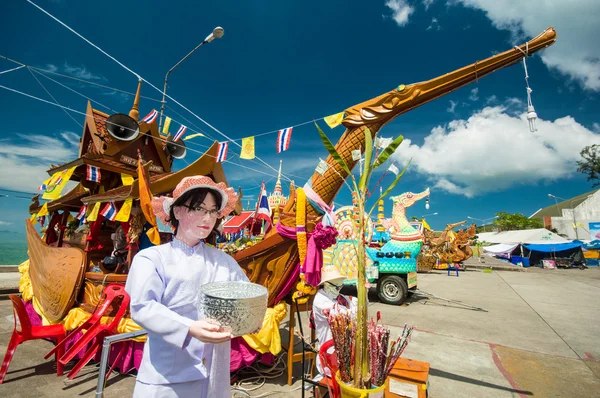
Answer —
432 214
572 210
217 33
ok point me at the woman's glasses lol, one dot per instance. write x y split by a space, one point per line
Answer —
204 212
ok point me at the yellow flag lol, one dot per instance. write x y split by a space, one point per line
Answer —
189 137
425 225
247 148
57 184
166 126
33 217
126 179
94 213
125 211
43 211
70 218
146 205
334 120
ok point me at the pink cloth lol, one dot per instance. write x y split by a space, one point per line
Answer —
243 355
321 238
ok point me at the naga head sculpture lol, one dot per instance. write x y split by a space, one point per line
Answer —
408 199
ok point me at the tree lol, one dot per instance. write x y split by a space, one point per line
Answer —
590 165
511 222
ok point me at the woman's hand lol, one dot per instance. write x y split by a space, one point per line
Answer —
209 332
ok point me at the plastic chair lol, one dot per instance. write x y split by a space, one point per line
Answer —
29 332
329 360
96 331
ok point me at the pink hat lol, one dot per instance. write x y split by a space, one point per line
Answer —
162 205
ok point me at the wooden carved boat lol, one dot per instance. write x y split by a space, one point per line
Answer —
56 275
273 260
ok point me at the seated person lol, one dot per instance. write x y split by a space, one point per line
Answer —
328 299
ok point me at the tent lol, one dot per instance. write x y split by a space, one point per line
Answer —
540 235
502 250
551 251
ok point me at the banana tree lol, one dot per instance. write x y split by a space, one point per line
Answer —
359 187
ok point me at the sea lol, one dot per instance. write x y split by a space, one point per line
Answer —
13 248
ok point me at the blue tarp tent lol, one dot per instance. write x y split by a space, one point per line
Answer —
542 251
552 247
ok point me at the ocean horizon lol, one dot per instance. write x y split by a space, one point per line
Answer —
13 248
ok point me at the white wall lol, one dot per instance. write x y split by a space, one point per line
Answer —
588 211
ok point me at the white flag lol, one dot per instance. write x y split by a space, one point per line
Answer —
382 143
394 169
322 167
356 154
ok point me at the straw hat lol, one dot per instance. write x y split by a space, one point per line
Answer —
330 273
162 205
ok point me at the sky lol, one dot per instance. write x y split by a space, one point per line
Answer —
282 64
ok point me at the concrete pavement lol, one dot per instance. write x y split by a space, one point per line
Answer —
537 337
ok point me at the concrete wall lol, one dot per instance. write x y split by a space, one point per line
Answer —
588 211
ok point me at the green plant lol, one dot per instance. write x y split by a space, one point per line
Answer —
359 187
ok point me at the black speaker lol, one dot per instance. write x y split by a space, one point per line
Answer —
122 127
175 148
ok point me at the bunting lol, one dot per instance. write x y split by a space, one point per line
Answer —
283 139
222 151
93 216
180 132
263 209
43 211
356 155
93 173
334 120
151 117
110 211
57 184
247 148
382 143
81 215
189 137
166 126
125 211
322 167
394 169
44 185
126 179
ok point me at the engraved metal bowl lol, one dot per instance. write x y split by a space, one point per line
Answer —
239 306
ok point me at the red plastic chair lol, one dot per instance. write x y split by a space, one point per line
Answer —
329 360
29 332
95 330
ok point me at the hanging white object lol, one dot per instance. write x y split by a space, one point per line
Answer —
531 114
322 167
427 204
356 154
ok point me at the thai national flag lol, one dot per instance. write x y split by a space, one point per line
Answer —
263 209
283 139
222 152
110 211
151 117
81 213
180 133
42 187
93 173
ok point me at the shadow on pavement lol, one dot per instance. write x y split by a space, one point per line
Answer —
453 376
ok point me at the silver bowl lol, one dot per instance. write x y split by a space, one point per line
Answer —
238 306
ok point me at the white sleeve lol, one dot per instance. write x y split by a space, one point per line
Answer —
235 271
145 287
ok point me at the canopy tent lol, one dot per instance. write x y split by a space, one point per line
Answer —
501 249
531 236
239 222
552 248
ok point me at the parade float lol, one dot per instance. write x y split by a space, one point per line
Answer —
448 250
65 274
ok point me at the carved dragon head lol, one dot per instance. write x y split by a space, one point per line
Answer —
408 199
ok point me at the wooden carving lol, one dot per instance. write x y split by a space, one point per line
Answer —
56 275
372 114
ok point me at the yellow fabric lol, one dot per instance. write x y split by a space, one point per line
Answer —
247 148
126 179
94 213
189 137
425 225
146 205
124 211
33 217
70 218
166 126
53 190
301 222
334 120
43 211
268 338
25 283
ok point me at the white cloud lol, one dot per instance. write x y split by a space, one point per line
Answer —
474 96
5 223
576 52
24 161
434 25
427 3
494 150
596 127
490 99
401 11
452 106
80 72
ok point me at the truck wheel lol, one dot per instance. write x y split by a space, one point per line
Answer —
392 289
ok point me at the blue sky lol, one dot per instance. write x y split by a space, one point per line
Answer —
281 64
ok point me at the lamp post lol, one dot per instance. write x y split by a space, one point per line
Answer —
432 214
217 33
572 210
483 222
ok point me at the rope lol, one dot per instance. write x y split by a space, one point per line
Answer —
12 70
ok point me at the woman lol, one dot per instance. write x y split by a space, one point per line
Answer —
184 356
